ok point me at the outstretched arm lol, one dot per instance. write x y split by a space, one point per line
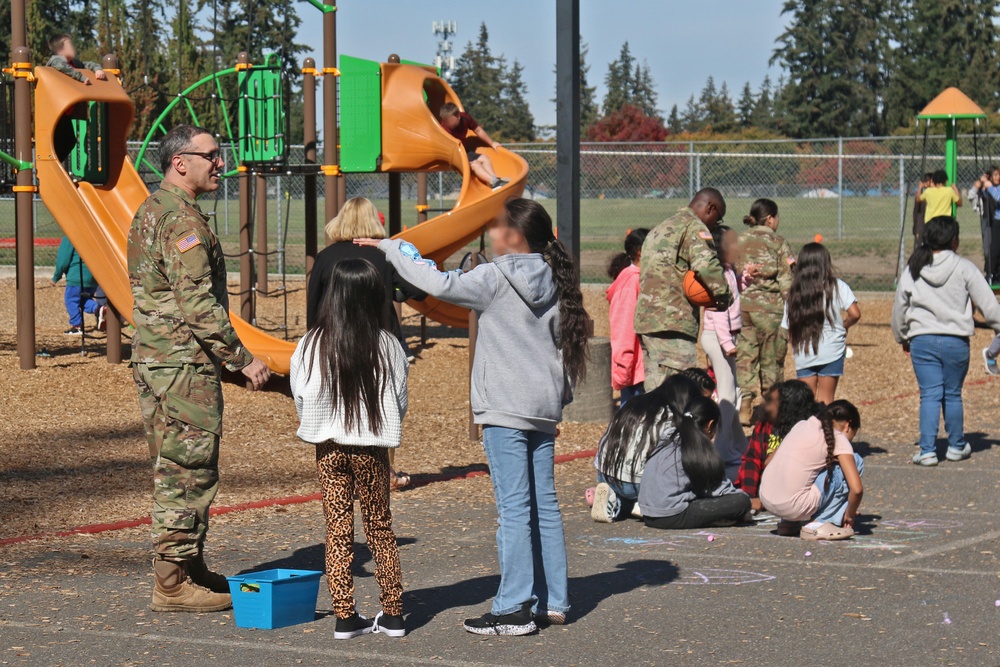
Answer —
481 133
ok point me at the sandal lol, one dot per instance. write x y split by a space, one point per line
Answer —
398 480
825 531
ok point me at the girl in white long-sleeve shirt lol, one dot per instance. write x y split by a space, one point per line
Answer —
348 378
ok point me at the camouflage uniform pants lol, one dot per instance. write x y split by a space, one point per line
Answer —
666 354
760 353
182 414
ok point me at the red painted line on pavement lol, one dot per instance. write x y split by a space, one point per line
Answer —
96 528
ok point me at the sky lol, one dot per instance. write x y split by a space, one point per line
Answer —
684 42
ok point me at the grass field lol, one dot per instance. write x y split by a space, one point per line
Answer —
865 249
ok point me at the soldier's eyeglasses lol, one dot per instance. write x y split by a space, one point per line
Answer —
213 157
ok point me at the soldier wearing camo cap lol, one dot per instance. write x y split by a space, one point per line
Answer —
183 336
666 322
767 258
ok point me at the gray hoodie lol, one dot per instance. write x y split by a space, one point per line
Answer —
518 380
940 302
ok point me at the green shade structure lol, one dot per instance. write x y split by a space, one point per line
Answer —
951 106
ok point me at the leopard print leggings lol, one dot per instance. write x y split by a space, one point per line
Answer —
342 472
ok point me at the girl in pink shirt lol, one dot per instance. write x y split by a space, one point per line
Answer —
627 372
718 340
815 476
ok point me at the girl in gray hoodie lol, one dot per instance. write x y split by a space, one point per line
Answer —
932 320
530 352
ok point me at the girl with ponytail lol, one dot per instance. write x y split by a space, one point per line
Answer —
530 353
815 476
627 370
932 320
684 483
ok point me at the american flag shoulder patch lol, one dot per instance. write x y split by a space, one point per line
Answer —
188 242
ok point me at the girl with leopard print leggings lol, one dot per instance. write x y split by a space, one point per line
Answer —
348 378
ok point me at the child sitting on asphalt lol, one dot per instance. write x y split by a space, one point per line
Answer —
684 484
815 476
627 371
785 405
64 59
81 288
458 124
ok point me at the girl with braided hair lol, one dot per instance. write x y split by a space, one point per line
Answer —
530 353
815 476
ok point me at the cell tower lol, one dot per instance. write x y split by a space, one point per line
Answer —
444 61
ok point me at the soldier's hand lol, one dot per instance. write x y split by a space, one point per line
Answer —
257 372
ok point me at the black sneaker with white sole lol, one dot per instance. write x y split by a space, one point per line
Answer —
390 626
514 624
355 626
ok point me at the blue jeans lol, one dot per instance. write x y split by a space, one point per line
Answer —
627 492
630 392
940 364
530 540
73 297
833 504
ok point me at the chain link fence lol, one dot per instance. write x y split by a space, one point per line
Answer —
853 192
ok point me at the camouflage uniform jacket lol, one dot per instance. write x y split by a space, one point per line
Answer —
178 277
677 244
769 289
72 68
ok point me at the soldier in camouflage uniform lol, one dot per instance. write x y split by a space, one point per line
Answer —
767 259
664 319
183 336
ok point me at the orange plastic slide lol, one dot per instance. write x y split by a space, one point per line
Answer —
96 218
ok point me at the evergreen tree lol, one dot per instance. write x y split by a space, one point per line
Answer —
746 106
518 123
478 80
762 115
619 81
943 43
644 92
44 19
674 123
720 114
589 110
693 118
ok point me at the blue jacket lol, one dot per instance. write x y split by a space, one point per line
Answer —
69 264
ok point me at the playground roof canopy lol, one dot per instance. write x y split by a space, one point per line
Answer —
951 103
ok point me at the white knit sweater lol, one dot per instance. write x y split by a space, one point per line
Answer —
322 421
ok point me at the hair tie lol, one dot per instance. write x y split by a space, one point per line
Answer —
689 415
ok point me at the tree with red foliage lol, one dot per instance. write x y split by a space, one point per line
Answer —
627 124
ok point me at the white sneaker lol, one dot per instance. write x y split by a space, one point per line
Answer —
991 364
926 460
606 504
955 454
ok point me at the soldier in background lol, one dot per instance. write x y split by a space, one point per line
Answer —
767 259
666 322
183 336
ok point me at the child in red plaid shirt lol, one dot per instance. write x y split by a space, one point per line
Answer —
785 405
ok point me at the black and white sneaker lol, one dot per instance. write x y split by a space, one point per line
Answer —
73 331
355 626
499 183
102 318
390 626
515 624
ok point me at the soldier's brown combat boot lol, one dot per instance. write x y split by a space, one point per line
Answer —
174 591
202 576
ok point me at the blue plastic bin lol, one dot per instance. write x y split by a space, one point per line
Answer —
272 599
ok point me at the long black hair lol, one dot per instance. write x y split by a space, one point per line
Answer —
642 420
533 222
838 411
939 234
346 343
760 210
796 402
699 457
810 299
633 244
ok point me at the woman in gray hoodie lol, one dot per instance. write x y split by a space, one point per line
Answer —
530 352
932 320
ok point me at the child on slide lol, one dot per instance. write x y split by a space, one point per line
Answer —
815 476
458 124
684 484
65 61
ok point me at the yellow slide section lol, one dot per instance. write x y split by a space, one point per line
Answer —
96 218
